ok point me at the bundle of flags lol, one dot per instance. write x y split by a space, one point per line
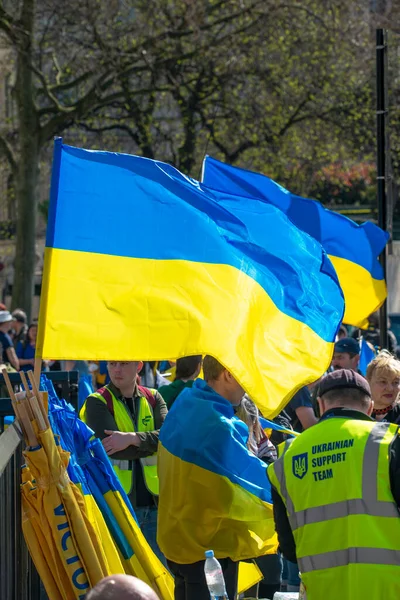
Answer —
77 521
107 505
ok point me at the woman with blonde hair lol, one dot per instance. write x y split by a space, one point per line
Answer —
383 375
258 442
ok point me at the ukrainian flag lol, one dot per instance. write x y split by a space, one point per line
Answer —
143 263
214 493
352 248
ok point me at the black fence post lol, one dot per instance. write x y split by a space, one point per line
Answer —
381 116
18 577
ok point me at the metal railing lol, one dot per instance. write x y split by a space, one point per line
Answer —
18 577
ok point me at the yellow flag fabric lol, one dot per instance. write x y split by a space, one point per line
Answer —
249 575
75 551
110 552
41 553
214 494
143 563
137 557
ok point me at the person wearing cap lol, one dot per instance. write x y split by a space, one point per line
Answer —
346 354
336 496
6 345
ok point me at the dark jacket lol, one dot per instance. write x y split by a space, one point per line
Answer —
285 536
99 418
171 392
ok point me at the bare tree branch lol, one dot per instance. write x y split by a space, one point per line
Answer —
103 129
8 25
59 107
8 152
294 116
62 87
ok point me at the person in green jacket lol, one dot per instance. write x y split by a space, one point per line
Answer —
187 370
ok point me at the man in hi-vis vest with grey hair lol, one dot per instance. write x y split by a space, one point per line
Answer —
127 418
336 493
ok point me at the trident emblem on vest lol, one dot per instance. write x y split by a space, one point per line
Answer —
300 465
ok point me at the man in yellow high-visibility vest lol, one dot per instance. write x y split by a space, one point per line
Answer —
127 418
336 493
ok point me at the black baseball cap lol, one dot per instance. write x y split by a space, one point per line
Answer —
344 378
349 345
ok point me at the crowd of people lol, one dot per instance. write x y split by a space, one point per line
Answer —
335 488
338 412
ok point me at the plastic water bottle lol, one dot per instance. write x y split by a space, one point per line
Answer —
214 577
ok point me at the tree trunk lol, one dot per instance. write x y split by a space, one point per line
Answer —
28 167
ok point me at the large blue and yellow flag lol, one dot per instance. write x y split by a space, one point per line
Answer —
143 263
352 248
214 493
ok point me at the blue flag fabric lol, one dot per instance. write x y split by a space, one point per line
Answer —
353 248
366 356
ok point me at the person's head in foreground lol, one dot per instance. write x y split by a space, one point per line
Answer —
346 354
345 389
121 587
383 375
222 381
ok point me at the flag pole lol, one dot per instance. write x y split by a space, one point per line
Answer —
381 115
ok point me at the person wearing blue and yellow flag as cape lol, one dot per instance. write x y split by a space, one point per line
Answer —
214 494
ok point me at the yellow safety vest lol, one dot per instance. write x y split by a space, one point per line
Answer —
125 423
334 481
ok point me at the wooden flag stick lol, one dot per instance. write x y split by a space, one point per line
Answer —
25 384
26 425
35 406
22 398
20 412
37 369
35 388
38 397
32 404
15 406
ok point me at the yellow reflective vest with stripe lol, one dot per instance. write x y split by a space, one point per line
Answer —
334 481
125 423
